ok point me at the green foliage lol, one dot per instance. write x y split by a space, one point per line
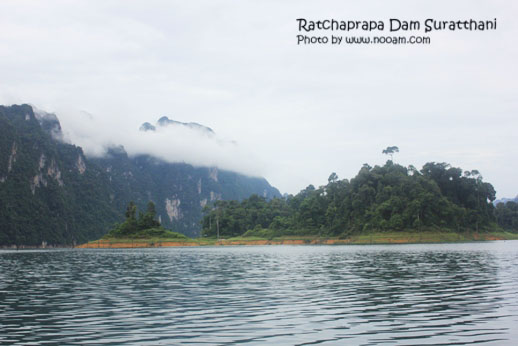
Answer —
149 233
507 215
46 196
387 198
261 233
390 151
233 218
160 233
144 227
143 177
147 220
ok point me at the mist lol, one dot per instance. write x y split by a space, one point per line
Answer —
172 143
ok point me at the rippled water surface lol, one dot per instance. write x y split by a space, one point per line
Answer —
358 295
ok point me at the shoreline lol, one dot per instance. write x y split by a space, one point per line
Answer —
365 239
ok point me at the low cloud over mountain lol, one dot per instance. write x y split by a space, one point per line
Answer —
167 139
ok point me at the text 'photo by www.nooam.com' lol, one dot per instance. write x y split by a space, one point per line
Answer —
392 31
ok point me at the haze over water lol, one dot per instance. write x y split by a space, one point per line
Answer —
361 295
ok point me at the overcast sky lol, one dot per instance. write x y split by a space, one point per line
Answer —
297 113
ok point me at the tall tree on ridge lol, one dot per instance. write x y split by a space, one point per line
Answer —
390 151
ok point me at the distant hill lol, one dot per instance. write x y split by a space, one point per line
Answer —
166 122
51 193
505 200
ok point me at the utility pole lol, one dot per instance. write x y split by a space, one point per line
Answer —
217 225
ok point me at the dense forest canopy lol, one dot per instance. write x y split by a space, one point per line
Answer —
507 215
49 192
381 198
52 194
144 226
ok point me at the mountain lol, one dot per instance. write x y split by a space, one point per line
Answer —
505 200
179 190
166 122
51 193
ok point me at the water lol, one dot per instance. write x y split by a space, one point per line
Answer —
355 295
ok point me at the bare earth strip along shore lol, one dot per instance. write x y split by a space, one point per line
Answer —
374 238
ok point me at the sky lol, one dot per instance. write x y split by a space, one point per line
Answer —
291 113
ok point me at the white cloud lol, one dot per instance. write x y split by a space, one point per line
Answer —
173 143
299 113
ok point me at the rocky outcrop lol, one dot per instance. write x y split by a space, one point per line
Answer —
12 158
172 206
54 172
80 164
213 173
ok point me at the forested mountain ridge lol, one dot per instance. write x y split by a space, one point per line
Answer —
165 122
505 200
180 191
381 198
506 213
48 191
51 193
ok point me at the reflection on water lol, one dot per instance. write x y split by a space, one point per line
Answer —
405 294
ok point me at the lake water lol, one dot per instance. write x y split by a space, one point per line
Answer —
354 295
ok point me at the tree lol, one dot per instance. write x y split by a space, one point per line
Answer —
133 226
412 170
380 198
332 178
390 151
507 215
130 225
131 211
151 210
147 220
